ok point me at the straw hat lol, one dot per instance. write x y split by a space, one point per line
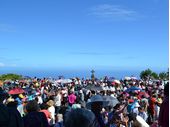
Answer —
50 103
96 98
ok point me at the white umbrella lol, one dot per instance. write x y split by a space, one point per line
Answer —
127 78
134 78
65 81
117 81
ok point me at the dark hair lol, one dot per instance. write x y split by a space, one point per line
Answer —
3 95
80 117
32 106
12 104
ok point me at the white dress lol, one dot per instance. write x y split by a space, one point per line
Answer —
52 112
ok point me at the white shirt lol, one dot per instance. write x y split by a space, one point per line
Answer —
141 121
40 101
52 112
58 100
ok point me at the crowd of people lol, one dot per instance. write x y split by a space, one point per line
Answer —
78 102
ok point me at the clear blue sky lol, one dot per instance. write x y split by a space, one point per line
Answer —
84 34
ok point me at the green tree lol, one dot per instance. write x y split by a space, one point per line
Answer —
163 75
146 74
10 77
154 75
167 74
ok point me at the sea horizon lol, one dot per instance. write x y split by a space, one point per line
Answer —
118 74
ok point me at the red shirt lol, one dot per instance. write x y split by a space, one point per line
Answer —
47 113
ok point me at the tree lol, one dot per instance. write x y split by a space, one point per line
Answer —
146 74
164 75
10 77
154 75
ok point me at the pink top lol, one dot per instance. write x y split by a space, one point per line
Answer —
71 98
47 113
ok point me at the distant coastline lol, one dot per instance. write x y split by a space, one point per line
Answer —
77 73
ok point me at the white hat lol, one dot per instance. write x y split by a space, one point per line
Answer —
96 98
80 91
136 105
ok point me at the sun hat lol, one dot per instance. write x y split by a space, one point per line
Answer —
96 98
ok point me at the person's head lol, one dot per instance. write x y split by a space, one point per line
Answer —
32 106
141 109
96 103
96 106
12 104
50 103
80 118
44 106
3 95
116 119
59 117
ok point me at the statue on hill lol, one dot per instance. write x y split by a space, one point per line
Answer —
92 76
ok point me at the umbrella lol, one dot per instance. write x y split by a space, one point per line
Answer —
112 101
95 88
133 88
64 81
117 81
134 78
16 91
127 78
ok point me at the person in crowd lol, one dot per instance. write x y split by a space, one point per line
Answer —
57 101
137 121
135 107
163 120
34 118
143 113
80 117
59 121
44 109
71 98
51 109
151 109
96 104
9 116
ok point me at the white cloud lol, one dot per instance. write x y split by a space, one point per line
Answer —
112 12
7 65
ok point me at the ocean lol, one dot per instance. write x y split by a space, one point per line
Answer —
75 73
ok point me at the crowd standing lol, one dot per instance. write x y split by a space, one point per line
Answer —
75 102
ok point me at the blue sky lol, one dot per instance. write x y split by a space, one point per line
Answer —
83 34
